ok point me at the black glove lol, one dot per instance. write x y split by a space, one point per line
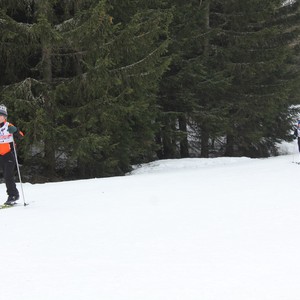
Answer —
12 129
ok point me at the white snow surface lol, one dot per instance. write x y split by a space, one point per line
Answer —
186 229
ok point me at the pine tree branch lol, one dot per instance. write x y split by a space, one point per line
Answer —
69 54
20 25
250 95
23 89
138 62
69 22
238 33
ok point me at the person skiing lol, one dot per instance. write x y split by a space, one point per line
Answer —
297 134
7 155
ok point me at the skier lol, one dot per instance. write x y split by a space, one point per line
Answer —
7 155
297 134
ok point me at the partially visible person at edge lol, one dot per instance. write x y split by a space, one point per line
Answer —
297 134
7 155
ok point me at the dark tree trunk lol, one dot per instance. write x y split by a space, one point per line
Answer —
229 151
204 143
184 144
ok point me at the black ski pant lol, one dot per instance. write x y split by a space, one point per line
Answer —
8 164
299 143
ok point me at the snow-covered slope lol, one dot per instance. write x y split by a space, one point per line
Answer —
187 229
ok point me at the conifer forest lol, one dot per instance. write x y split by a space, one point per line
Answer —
100 85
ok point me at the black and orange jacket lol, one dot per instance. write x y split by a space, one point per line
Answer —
6 138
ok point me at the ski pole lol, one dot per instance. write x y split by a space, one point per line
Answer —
19 173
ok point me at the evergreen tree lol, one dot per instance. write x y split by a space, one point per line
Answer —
233 73
260 58
88 93
33 97
191 92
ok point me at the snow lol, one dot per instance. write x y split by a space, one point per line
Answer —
186 229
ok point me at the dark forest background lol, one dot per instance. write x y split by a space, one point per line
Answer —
100 85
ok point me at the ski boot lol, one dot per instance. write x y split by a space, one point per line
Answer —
11 200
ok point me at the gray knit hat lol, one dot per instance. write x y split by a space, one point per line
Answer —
3 110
